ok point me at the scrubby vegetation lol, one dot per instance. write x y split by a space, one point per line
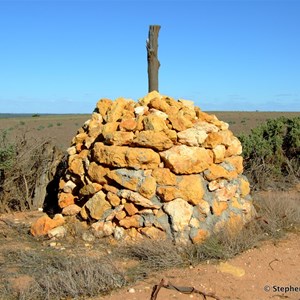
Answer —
25 167
272 159
58 274
272 153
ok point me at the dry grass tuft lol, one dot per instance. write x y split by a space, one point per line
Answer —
60 276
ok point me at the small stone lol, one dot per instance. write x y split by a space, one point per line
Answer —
225 267
88 237
44 224
57 232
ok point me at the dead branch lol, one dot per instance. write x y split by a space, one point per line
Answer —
181 289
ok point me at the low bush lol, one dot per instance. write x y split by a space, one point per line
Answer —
278 214
272 153
26 166
60 277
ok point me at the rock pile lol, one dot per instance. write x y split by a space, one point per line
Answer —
159 168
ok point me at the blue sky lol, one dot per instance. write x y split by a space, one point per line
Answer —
63 56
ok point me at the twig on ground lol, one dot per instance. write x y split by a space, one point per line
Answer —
181 289
272 262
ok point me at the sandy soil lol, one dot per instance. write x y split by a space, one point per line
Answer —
256 274
265 268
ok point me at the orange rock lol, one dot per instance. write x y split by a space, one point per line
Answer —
79 138
71 210
235 203
226 193
204 116
154 123
44 224
188 103
159 104
152 139
95 207
219 207
90 189
236 162
119 138
65 199
214 139
172 102
94 131
244 187
179 121
76 164
200 236
164 176
130 209
167 193
110 128
191 188
148 187
150 96
203 207
235 148
216 171
128 124
219 153
61 183
133 221
227 137
140 123
192 136
171 134
133 233
153 233
188 112
120 215
110 188
120 156
187 160
97 173
116 110
113 199
127 114
103 105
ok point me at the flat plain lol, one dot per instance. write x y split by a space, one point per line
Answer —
62 128
273 263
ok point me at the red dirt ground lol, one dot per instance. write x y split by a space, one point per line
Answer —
265 267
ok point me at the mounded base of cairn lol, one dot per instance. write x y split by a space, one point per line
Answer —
158 168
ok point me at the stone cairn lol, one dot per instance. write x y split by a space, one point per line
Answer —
158 168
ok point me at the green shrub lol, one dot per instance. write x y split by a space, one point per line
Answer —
41 127
272 151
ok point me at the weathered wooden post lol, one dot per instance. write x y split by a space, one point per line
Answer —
153 63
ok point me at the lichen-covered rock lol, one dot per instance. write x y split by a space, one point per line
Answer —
158 168
180 213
